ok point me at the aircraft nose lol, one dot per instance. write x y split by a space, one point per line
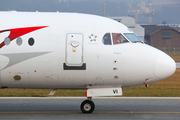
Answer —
165 65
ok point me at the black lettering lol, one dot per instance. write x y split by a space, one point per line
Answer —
115 91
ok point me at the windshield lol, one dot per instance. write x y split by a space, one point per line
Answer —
132 37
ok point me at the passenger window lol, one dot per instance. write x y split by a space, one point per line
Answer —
107 39
118 38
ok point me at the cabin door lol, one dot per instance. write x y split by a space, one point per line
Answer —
74 49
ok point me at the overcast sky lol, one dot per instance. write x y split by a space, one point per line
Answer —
113 8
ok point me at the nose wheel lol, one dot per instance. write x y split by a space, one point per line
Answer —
87 106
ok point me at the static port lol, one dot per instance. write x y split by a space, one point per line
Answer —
114 68
116 77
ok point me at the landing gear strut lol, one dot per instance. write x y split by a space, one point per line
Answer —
87 106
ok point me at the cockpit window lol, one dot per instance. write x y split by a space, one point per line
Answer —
132 37
118 38
107 39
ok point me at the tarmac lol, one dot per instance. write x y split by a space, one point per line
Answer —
68 108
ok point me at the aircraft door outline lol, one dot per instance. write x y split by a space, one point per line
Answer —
74 49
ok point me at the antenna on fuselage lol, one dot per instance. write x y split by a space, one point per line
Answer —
104 8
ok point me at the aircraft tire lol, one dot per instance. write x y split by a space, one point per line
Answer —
87 106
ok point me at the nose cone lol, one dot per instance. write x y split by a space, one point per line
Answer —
165 65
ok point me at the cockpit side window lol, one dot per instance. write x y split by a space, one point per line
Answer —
107 39
118 38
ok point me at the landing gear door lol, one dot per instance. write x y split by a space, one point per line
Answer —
74 50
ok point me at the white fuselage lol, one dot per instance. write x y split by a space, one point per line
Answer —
68 52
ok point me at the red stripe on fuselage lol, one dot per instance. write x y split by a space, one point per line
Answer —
17 32
2 44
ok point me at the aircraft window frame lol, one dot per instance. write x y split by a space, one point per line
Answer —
107 41
118 38
7 41
19 41
130 37
31 41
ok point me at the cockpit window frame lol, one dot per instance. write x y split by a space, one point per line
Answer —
110 36
122 35
120 42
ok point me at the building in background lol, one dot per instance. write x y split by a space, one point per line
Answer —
161 36
130 23
158 36
176 28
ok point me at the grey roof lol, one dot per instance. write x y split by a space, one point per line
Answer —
151 29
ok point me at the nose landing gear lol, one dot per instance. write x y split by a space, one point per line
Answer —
87 106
